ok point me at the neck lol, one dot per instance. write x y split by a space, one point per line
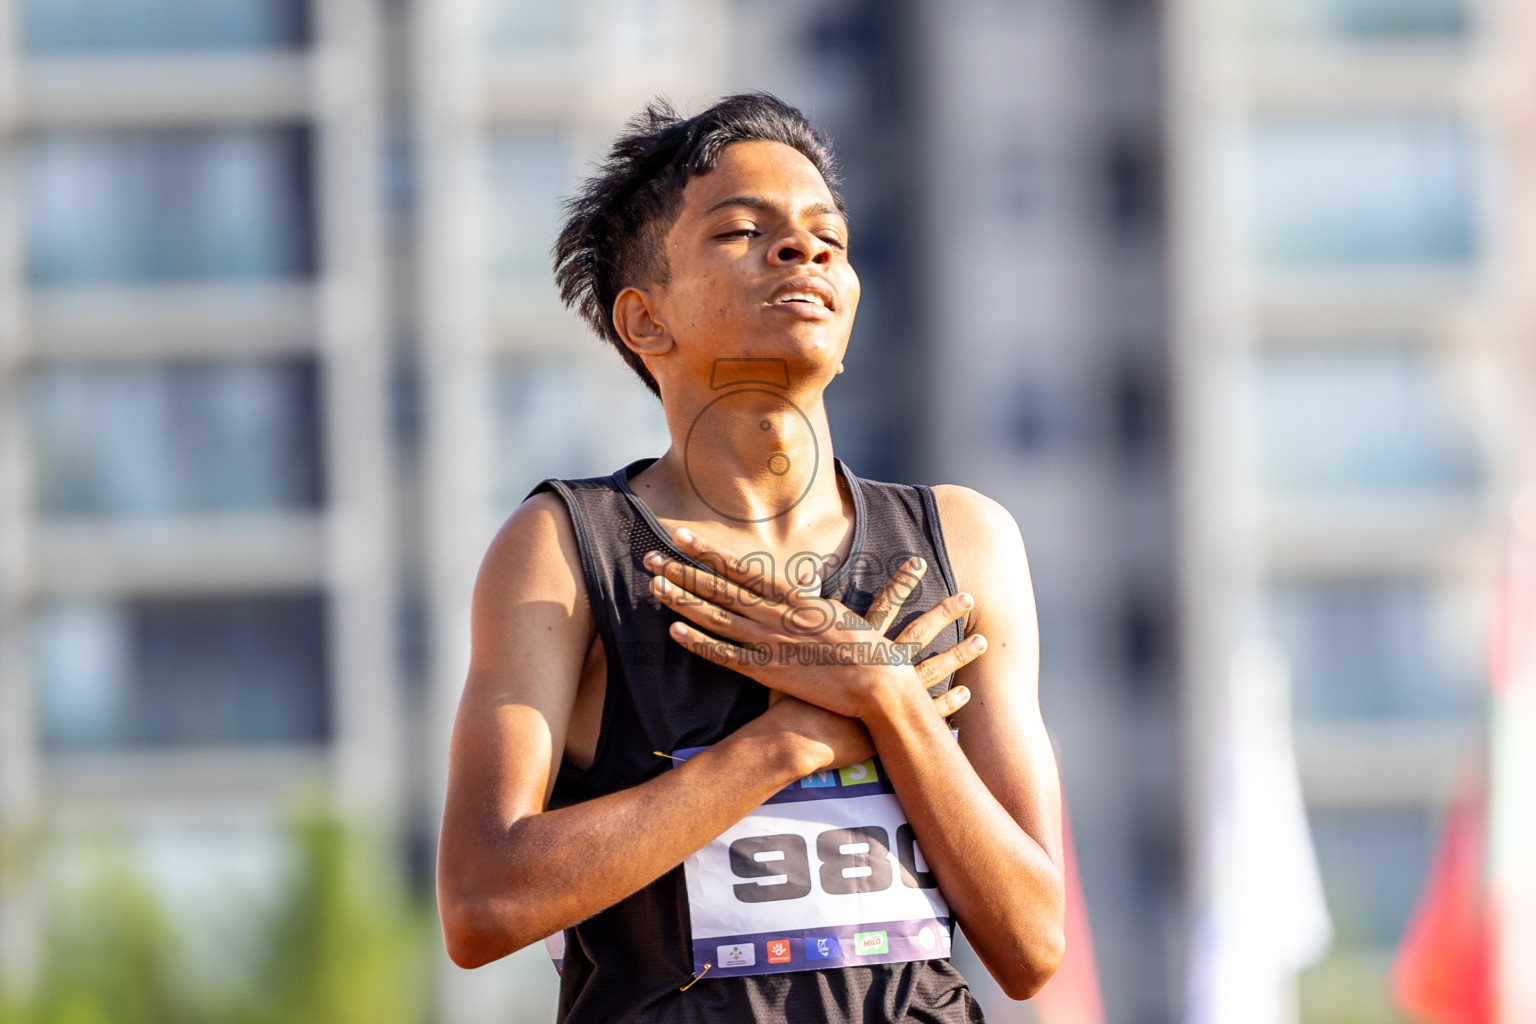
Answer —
753 458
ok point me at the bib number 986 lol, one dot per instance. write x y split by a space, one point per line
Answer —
852 860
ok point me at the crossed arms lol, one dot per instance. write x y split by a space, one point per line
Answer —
986 811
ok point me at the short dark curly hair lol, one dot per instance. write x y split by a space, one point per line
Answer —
617 222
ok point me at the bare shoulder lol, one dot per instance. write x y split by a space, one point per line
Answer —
973 516
980 535
530 582
986 552
534 551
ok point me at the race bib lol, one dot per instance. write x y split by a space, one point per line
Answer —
825 873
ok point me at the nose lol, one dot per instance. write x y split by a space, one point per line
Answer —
799 247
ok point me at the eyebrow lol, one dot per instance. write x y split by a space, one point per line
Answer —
759 203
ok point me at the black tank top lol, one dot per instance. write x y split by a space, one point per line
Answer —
629 963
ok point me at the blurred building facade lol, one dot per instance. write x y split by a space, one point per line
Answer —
1040 271
279 350
198 557
1353 359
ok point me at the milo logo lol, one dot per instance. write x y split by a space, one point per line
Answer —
870 943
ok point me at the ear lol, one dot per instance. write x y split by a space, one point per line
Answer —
634 317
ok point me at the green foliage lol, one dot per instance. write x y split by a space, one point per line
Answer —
345 947
1349 986
109 959
343 944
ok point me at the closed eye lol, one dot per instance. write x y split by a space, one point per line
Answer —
740 233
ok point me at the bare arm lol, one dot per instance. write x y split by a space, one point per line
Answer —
987 812
509 872
988 818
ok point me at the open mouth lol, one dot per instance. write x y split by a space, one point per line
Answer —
815 300
803 292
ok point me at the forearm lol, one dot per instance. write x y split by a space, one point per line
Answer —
515 882
999 882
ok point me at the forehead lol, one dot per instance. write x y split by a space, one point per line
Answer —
769 170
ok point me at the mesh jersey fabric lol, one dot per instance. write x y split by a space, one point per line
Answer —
629 963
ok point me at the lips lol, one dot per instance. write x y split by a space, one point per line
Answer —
809 291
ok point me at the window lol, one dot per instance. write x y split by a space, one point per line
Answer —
565 419
1137 407
1034 416
1142 632
176 439
1363 20
108 207
1019 185
1367 191
530 173
1373 862
1378 648
539 433
1384 420
523 26
105 26
163 672
1132 188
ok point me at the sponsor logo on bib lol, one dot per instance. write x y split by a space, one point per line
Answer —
742 954
778 951
860 774
870 943
823 947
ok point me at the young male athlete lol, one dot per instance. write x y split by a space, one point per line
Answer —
681 673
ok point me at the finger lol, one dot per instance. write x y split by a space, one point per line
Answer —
952 660
742 659
701 585
712 617
747 573
810 616
803 573
928 625
887 604
754 573
951 700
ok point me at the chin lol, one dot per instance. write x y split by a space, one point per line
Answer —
811 361
811 342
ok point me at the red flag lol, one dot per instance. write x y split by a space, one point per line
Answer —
1072 995
1442 973
1466 956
